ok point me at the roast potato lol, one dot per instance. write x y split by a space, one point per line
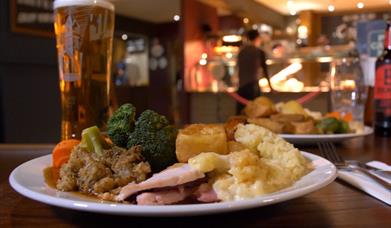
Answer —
260 107
274 126
198 138
287 117
291 107
304 127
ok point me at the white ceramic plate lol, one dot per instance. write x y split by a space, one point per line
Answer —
28 180
317 138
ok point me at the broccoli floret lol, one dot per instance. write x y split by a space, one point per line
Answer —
121 124
344 127
331 125
156 138
151 120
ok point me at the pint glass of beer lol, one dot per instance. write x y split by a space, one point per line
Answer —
84 36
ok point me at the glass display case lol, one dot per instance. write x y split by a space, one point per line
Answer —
305 70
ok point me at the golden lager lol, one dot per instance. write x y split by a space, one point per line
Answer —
84 35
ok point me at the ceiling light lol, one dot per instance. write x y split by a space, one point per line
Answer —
290 30
232 38
246 20
360 5
289 3
176 18
228 55
292 12
331 8
302 31
389 2
203 62
265 28
124 37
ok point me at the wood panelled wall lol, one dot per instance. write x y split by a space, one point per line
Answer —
28 85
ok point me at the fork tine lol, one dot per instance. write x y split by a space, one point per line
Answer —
330 152
337 156
334 152
322 150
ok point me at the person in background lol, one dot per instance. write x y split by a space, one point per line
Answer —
252 67
120 76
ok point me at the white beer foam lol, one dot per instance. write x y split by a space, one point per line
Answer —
101 3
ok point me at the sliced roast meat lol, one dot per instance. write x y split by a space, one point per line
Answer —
206 194
202 193
177 174
164 197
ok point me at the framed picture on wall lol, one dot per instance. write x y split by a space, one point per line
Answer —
32 17
130 59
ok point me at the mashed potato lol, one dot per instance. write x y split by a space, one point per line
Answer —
276 164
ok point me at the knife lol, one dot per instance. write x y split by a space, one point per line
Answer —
382 173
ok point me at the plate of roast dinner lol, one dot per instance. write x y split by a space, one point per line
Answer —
318 138
146 167
300 125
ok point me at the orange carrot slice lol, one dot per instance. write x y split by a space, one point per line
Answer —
62 151
348 117
336 115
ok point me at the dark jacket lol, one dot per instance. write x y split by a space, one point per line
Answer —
250 60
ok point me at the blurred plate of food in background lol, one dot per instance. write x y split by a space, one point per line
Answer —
298 124
317 138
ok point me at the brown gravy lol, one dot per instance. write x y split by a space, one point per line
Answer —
51 176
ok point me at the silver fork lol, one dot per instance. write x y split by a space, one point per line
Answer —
329 152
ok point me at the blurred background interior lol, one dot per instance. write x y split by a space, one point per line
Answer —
178 57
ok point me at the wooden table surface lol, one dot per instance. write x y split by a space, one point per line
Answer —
338 204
